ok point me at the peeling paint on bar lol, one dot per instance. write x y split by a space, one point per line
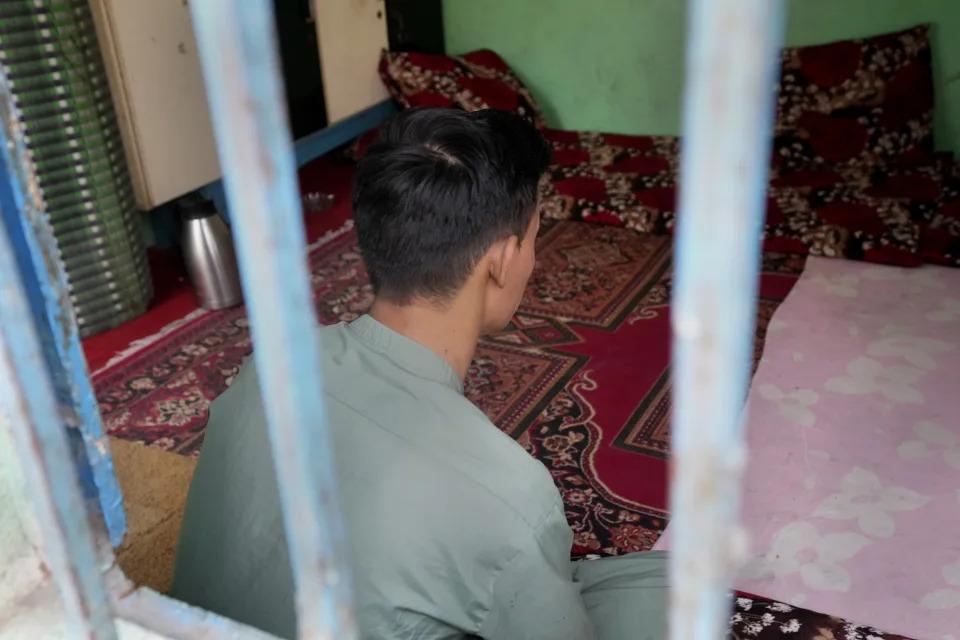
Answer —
28 395
237 46
44 425
170 618
732 62
43 276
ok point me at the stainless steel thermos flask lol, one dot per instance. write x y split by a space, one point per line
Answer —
209 255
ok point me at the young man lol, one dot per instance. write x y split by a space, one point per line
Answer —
454 529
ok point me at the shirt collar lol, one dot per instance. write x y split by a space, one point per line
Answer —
405 353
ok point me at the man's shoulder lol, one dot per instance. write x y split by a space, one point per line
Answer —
430 430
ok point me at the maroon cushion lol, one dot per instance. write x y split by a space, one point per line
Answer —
473 81
918 188
631 181
940 233
841 221
867 101
611 179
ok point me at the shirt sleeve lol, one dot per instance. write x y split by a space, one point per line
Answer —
535 597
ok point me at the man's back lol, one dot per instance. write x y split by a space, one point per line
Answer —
441 508
454 530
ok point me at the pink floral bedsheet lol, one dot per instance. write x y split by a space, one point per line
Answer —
852 494
852 489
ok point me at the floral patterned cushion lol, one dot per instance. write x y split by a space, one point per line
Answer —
611 179
940 231
841 221
896 217
476 80
631 181
854 174
856 101
929 192
763 619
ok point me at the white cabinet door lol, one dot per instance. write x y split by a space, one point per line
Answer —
352 33
155 79
161 103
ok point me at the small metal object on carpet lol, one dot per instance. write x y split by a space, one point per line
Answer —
316 202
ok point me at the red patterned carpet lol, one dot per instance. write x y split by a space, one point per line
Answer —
580 377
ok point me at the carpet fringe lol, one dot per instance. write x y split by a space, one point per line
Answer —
139 345
330 236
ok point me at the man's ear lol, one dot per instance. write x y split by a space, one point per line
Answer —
501 258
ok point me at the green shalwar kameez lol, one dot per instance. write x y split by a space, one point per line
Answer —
454 529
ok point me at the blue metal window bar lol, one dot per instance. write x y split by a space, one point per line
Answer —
47 398
732 64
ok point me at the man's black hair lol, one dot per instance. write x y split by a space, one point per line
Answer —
437 190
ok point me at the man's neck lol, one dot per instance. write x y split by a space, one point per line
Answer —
451 332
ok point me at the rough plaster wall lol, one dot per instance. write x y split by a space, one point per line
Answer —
30 606
609 65
617 65
20 566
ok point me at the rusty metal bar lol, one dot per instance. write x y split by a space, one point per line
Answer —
238 54
38 414
732 65
44 280
47 403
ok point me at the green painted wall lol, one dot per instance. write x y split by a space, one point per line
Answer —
617 65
